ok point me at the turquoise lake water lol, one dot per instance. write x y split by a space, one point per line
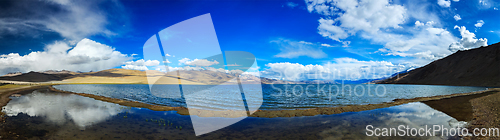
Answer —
266 96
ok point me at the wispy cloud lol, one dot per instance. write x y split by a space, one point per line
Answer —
292 4
295 49
73 19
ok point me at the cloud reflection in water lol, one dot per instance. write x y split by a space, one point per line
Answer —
60 108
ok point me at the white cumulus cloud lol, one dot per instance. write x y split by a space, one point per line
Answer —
327 29
384 22
479 23
166 61
87 55
457 17
326 45
347 17
468 41
418 23
444 3
140 64
135 67
339 68
425 42
183 61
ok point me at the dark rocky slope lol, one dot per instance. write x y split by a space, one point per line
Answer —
475 67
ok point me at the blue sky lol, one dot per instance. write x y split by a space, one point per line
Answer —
298 38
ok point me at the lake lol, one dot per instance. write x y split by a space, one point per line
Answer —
49 115
266 97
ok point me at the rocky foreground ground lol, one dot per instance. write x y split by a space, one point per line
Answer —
486 114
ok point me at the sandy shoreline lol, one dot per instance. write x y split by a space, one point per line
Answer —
266 113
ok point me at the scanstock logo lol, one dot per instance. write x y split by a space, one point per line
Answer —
229 98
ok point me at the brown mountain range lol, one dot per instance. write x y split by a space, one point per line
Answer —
474 67
125 76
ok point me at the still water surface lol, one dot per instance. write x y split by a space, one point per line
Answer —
272 96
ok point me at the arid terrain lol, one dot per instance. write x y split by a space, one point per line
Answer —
125 76
475 67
